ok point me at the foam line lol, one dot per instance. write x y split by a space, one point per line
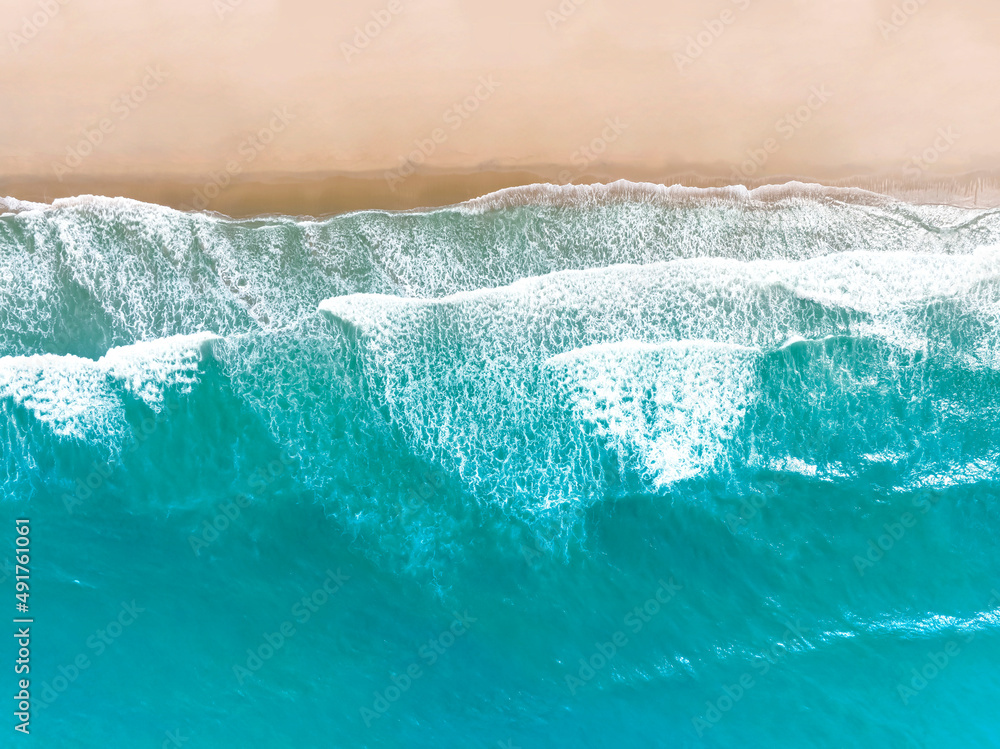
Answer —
80 397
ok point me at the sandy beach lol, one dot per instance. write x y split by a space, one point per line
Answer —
433 374
262 106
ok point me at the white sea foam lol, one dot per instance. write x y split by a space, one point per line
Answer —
878 283
81 398
625 336
137 271
545 194
648 192
731 301
674 405
101 202
68 393
145 369
368 313
13 205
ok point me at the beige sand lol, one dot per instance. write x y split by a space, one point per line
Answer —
305 106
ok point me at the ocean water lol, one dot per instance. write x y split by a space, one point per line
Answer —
558 467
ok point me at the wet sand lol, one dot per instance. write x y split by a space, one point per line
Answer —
315 195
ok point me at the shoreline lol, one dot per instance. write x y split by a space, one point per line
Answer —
322 195
252 107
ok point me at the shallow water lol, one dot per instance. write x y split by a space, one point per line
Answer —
592 467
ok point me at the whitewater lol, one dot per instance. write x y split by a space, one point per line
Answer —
598 466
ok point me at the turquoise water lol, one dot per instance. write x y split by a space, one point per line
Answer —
593 467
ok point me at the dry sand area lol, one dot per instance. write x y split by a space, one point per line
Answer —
301 106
